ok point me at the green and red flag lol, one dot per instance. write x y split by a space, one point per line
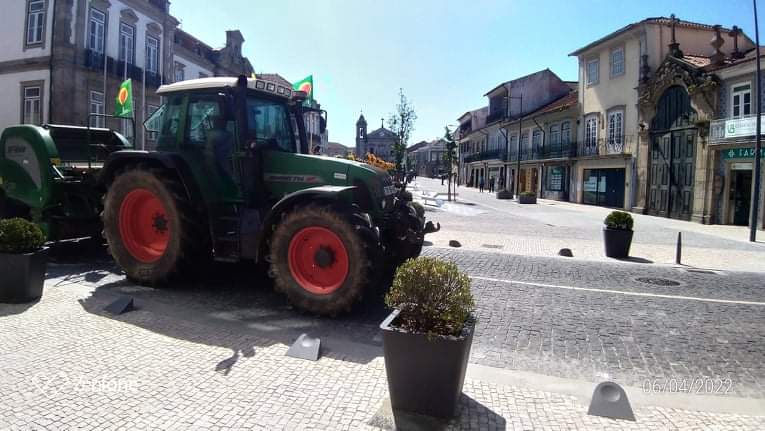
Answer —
124 106
306 84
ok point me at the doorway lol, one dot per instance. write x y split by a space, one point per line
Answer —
741 196
604 187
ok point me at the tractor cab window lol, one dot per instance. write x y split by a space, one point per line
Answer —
203 117
165 120
269 125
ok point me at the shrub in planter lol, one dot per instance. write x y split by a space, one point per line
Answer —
617 234
22 262
428 336
527 198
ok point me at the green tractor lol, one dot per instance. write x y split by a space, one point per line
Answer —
230 179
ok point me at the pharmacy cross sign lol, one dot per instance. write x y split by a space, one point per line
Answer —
741 153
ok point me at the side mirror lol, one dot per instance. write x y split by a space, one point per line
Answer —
323 122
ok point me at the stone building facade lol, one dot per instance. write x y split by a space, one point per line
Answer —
65 60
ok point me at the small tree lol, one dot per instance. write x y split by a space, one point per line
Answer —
450 157
401 122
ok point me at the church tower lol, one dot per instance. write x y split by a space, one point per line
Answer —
361 136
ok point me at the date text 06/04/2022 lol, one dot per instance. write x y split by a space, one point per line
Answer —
701 385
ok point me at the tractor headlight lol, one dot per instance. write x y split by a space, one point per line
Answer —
384 203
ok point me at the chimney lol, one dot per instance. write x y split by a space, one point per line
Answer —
234 40
717 42
734 33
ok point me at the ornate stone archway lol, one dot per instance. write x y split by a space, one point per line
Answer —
679 146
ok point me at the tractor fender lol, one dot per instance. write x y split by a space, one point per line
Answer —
120 159
328 194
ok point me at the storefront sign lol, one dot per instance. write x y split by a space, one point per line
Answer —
739 127
741 153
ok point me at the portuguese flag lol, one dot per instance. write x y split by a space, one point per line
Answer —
124 106
306 84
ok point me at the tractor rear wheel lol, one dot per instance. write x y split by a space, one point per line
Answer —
153 231
319 259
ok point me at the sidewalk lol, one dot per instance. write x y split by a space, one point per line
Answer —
480 221
66 364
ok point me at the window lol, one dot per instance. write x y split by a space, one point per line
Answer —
536 138
127 43
555 134
617 62
96 31
565 132
35 22
593 69
152 55
96 104
741 102
202 115
165 121
151 133
591 134
525 140
615 131
268 124
179 72
32 104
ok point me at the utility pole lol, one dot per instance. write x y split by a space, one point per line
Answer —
758 142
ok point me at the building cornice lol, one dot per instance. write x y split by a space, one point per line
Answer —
25 65
189 55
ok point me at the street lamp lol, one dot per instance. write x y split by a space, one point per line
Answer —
758 144
517 179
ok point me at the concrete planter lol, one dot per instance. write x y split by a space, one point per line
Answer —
23 276
425 375
527 199
617 242
504 194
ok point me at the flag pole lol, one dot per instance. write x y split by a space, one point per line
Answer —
143 106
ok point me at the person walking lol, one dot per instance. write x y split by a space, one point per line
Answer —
480 184
491 185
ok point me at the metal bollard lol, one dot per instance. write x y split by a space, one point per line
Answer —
679 252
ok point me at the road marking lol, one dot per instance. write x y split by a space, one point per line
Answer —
588 289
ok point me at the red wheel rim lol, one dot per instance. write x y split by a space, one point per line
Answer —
144 226
318 260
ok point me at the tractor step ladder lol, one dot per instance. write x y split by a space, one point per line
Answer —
226 237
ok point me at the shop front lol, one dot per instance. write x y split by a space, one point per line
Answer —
737 167
555 181
603 182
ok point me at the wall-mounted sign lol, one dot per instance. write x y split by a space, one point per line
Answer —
738 127
741 153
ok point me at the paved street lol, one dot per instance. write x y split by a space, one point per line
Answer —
209 354
482 222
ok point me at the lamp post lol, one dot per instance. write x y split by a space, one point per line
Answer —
507 143
758 144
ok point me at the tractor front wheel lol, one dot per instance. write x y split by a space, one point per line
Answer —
319 260
151 228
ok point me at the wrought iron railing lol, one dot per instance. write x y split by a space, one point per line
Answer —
606 146
495 154
723 129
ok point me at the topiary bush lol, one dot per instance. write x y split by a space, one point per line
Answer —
433 297
528 194
18 236
619 220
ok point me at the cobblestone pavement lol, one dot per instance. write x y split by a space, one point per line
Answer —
480 222
64 364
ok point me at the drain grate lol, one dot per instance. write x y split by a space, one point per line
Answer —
657 281
492 246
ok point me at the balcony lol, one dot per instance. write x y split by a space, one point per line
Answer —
95 61
607 147
496 154
729 130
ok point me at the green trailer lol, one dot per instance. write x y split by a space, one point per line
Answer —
49 174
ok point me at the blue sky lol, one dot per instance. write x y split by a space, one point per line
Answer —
445 54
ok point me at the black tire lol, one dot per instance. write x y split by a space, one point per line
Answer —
3 205
356 246
188 241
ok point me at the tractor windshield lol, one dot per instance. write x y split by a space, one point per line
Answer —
268 123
